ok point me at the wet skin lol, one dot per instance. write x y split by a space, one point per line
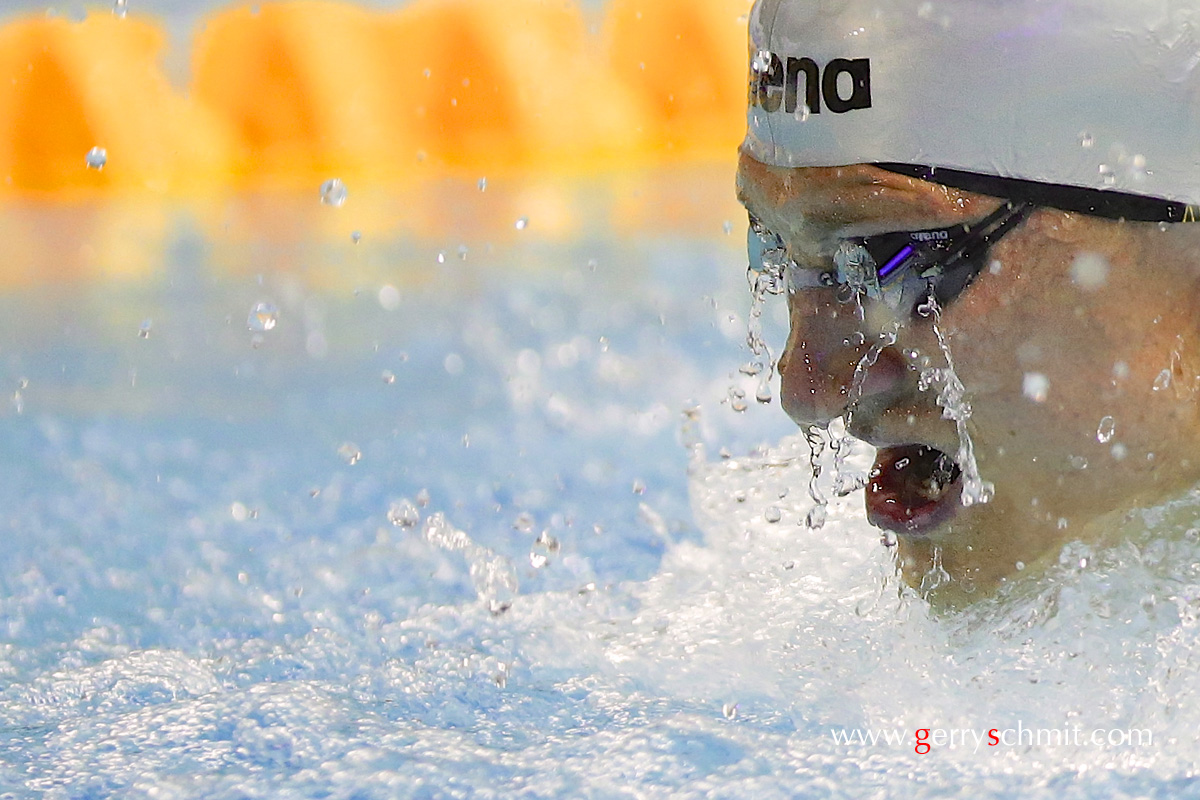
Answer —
1102 350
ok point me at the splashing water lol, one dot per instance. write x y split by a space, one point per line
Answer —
404 513
817 439
952 398
323 651
765 279
333 193
350 453
96 158
493 575
843 444
263 317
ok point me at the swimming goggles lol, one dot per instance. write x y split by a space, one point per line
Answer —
902 269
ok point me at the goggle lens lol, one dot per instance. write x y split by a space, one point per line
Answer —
900 269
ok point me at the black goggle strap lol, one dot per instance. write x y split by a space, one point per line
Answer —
934 252
963 267
1095 202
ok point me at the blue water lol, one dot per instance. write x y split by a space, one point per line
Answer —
203 595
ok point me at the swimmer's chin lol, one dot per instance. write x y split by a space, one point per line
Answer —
973 552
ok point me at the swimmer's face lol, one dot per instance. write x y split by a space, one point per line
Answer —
1077 319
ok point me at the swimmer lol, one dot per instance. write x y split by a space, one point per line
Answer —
1000 192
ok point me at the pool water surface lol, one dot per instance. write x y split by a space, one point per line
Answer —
312 502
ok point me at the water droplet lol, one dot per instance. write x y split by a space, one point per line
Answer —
263 317
730 710
521 223
763 395
1077 462
1136 168
1120 370
772 514
1089 271
1020 565
423 498
761 61
388 376
1086 140
120 8
1036 386
333 193
350 453
538 560
524 522
356 236
1119 451
441 258
847 483
144 328
462 252
816 517
389 297
1163 380
1104 433
1062 523
547 542
482 184
239 512
737 399
639 486
96 158
403 514
750 369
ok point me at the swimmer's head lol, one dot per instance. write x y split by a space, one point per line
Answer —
1018 164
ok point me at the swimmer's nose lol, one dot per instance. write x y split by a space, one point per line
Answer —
817 368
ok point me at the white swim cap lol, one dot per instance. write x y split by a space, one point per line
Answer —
1091 94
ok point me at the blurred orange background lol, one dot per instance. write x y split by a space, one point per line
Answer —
457 124
288 93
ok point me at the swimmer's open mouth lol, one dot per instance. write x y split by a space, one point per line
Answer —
913 488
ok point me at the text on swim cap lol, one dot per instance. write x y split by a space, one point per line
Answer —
779 85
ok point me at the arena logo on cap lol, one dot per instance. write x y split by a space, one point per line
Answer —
775 84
